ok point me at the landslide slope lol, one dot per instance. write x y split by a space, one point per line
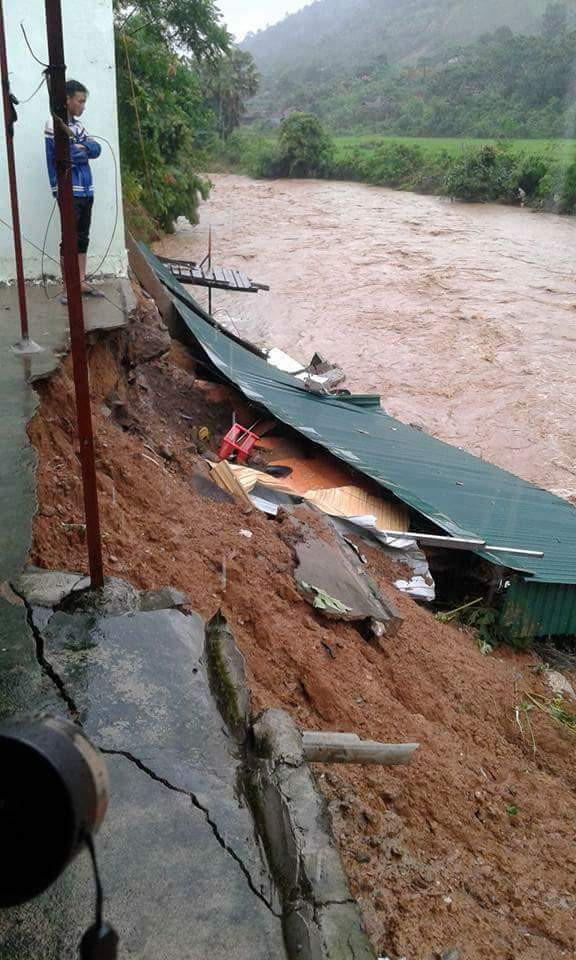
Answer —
472 846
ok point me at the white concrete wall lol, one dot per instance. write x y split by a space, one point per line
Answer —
89 51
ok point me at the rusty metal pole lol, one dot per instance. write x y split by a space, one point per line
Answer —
59 110
25 345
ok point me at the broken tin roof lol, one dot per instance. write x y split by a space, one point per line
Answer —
462 494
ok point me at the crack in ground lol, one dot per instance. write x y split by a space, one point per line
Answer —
74 712
47 667
211 823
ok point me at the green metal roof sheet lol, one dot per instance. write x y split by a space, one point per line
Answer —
462 494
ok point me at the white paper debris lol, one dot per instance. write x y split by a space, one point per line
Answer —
416 587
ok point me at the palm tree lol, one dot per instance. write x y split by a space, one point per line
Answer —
230 82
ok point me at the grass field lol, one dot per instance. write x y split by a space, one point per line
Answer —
560 149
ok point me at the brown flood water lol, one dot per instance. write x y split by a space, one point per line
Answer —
463 317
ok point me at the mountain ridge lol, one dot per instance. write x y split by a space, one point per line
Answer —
334 38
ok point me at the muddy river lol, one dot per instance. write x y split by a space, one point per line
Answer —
463 317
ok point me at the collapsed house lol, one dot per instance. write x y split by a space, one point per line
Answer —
518 539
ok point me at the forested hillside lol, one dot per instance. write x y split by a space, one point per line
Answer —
422 67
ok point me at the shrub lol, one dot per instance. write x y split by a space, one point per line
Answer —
265 161
304 148
531 171
568 190
392 165
164 126
485 173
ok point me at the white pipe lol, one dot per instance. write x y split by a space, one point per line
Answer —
521 553
456 543
357 751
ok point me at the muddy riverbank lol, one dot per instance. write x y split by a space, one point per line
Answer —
462 316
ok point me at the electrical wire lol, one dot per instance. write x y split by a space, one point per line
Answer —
27 239
99 907
45 65
44 244
37 90
116 203
137 112
53 259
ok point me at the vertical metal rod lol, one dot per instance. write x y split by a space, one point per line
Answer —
9 127
59 110
210 267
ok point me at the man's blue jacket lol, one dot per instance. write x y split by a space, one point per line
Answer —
82 150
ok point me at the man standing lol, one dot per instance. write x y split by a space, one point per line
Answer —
82 150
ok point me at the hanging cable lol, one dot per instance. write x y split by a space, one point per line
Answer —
44 244
54 260
24 237
45 65
116 204
37 90
99 909
137 112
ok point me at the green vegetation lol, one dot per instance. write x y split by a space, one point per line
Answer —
183 90
486 621
303 149
562 150
540 173
440 68
221 682
554 708
229 83
333 39
466 99
180 85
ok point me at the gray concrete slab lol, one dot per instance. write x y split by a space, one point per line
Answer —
47 588
48 319
172 892
138 683
24 686
323 921
182 865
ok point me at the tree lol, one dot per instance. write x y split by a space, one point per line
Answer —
305 149
230 82
165 122
191 26
555 21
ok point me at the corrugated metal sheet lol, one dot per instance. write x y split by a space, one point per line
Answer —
540 609
462 494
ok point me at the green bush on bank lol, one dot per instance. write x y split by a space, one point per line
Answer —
487 173
302 149
496 172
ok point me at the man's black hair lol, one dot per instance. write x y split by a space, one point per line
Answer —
73 87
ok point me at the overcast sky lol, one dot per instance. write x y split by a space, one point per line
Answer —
242 16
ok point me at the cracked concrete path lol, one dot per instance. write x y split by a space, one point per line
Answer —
172 892
182 867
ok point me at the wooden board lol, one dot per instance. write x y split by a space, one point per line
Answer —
223 278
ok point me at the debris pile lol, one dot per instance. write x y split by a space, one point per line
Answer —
515 536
